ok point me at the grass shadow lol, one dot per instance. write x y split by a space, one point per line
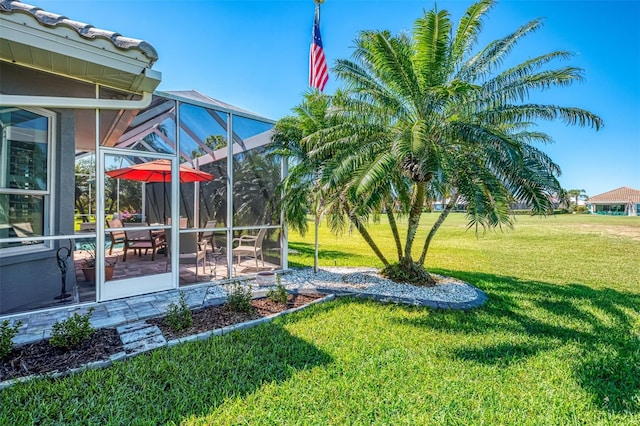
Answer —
166 385
603 323
501 355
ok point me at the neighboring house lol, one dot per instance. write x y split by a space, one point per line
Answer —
73 94
621 201
440 205
461 205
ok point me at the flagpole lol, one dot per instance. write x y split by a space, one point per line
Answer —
317 222
318 3
318 73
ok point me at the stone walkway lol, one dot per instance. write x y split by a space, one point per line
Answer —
140 336
359 282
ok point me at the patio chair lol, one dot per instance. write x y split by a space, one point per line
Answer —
117 237
190 250
141 239
23 230
88 227
183 222
208 235
250 245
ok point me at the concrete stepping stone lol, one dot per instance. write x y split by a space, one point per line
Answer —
141 337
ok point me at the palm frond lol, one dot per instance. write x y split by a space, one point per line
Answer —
431 37
376 173
518 89
531 112
468 29
490 58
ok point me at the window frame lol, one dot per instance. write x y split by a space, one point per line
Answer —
47 194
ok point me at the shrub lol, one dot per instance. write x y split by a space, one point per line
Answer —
7 333
71 332
239 299
411 274
179 316
279 293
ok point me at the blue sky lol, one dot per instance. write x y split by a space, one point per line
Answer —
254 54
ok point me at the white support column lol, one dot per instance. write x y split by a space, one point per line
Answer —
230 196
284 172
175 206
100 211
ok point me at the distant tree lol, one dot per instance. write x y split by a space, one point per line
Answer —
576 195
216 142
127 194
213 142
568 198
85 178
255 177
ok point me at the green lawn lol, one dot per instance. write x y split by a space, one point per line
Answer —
557 343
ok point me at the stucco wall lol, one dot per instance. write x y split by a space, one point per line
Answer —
32 280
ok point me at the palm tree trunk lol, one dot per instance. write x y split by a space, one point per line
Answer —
81 211
394 229
436 226
414 219
367 237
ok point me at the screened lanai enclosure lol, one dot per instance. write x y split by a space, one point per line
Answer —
145 232
236 202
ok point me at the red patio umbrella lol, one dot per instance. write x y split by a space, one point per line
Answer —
159 171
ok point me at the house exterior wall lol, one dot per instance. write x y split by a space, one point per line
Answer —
616 209
32 279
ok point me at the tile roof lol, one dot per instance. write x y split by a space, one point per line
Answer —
621 195
51 20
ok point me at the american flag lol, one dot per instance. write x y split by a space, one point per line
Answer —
318 73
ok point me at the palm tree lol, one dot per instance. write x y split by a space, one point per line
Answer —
426 116
254 185
300 192
576 195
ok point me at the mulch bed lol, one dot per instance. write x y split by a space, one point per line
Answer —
40 357
213 317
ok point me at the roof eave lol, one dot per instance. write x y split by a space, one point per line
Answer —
63 51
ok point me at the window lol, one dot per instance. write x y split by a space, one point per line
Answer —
25 173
